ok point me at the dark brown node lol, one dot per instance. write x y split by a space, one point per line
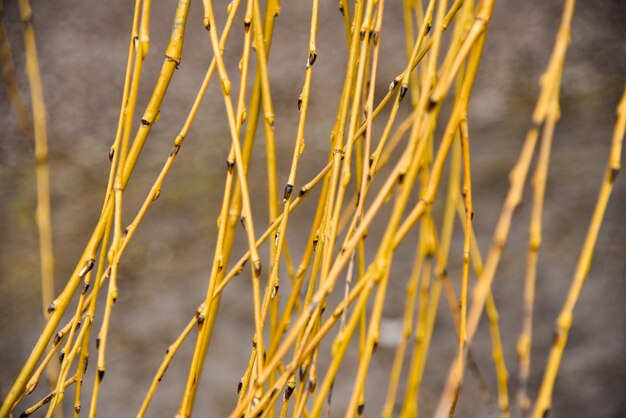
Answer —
431 104
613 175
288 190
174 60
257 269
330 392
52 307
403 90
289 390
375 37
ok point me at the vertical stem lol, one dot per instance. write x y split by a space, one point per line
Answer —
565 318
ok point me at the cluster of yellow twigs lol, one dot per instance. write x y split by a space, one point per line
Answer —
282 372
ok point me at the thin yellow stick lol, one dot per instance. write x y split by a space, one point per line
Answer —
303 104
169 355
407 328
429 300
247 211
565 318
121 149
41 157
524 343
43 213
173 56
494 326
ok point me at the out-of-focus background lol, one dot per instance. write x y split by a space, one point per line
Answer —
82 50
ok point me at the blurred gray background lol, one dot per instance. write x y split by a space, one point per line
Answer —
164 273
